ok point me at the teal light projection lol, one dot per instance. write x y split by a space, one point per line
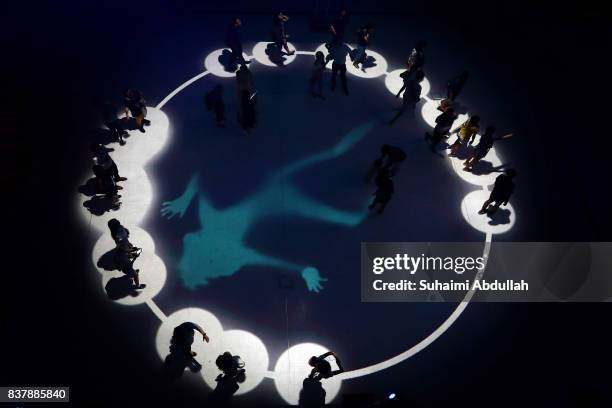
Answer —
218 248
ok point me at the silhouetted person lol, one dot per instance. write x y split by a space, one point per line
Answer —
227 382
106 172
416 59
279 34
125 263
482 148
121 236
181 341
338 52
455 85
363 40
230 365
502 190
444 122
247 116
384 191
412 95
233 40
244 80
135 105
214 102
113 123
390 158
466 134
312 394
338 26
316 77
321 367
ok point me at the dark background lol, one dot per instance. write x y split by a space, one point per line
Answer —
548 62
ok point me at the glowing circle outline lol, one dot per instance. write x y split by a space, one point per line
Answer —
365 370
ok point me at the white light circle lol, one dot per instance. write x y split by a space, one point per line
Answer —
152 273
212 64
472 203
251 350
292 368
394 82
207 352
259 53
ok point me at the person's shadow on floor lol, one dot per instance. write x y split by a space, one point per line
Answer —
369 62
99 205
499 217
275 54
121 287
226 59
312 394
484 167
108 261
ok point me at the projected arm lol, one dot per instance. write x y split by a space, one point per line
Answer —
343 146
202 332
179 205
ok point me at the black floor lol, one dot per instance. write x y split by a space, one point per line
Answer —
534 73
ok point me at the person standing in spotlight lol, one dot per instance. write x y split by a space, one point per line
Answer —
455 85
106 166
121 236
214 102
113 123
466 134
234 41
444 122
136 106
411 96
182 339
502 190
482 148
415 63
279 34
316 77
363 39
321 367
338 53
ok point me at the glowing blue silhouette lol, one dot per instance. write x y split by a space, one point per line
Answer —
218 249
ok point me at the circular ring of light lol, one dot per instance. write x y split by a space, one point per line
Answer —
136 157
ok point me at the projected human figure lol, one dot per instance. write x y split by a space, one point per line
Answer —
219 248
